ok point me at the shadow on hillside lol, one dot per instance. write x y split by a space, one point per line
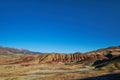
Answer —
101 63
104 77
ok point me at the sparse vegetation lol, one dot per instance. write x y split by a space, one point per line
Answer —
56 66
16 78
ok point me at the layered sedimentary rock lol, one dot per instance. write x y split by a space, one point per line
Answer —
14 58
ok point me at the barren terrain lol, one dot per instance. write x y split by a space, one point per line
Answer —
103 64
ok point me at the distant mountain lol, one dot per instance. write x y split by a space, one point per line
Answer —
7 50
17 56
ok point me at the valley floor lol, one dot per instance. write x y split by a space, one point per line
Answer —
49 72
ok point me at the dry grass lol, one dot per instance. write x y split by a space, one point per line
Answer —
47 72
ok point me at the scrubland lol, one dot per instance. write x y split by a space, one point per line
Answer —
49 72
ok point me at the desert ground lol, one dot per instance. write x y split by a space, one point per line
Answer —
103 64
49 72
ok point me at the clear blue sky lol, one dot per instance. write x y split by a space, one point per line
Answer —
59 25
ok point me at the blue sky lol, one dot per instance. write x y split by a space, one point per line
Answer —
63 26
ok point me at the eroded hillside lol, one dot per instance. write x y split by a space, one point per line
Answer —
16 56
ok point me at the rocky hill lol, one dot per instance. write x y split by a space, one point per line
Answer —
26 57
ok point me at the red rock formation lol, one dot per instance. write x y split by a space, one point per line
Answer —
56 58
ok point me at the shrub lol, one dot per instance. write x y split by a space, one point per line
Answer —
111 69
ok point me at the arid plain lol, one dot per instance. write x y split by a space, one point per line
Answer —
102 64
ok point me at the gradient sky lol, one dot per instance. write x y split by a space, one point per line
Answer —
60 25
